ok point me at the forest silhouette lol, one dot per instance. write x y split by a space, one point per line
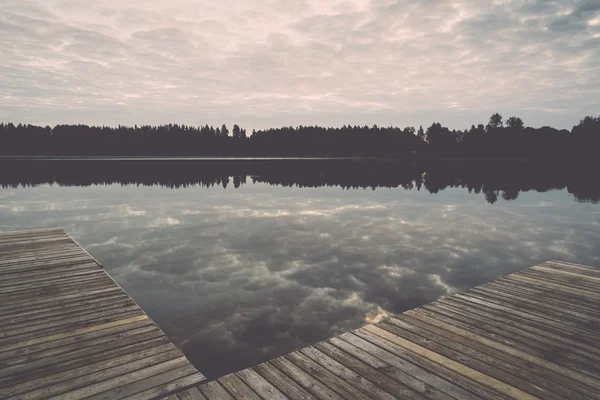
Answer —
499 139
495 180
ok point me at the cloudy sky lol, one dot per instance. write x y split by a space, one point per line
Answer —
265 63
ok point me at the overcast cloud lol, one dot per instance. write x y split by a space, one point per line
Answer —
287 62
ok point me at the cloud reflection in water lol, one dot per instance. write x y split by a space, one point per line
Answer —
238 276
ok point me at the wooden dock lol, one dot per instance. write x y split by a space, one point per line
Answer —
68 331
530 335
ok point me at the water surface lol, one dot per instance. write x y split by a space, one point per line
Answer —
240 263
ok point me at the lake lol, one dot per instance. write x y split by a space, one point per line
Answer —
240 261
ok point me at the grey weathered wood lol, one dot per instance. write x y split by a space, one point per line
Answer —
67 330
214 391
64 309
359 382
237 387
92 378
340 386
416 370
181 383
505 369
504 326
70 374
154 386
114 387
311 385
190 394
46 318
40 347
282 382
578 269
352 357
533 368
99 343
529 292
527 355
260 385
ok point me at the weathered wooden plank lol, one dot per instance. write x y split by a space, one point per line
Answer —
75 332
214 391
359 382
62 324
453 326
68 330
31 235
560 280
426 377
563 312
8 246
70 348
14 322
147 383
43 250
183 382
512 317
492 363
532 293
475 375
30 231
579 269
63 309
85 360
542 372
85 352
56 256
45 380
46 288
590 279
190 394
21 280
311 385
260 385
70 297
508 327
553 286
352 357
49 294
522 311
281 381
95 377
237 387
329 379
534 348
23 351
121 382
42 333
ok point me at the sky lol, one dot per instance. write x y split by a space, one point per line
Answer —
270 63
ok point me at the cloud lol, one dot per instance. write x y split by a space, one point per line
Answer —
271 63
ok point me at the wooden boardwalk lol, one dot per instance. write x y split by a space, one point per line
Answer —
68 331
533 334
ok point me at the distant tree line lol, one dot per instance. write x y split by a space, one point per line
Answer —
494 180
497 139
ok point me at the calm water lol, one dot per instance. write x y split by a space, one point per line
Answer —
240 264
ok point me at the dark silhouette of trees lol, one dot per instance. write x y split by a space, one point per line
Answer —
496 140
495 122
494 180
421 134
515 123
